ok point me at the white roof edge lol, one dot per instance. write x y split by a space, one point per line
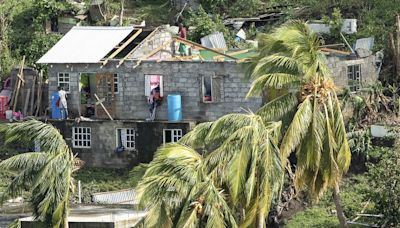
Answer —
85 44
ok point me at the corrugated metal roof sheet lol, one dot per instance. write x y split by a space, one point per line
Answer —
214 40
365 43
127 196
85 44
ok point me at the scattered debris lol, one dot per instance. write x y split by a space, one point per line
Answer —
127 196
215 40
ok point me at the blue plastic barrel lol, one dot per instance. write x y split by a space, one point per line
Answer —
174 107
55 110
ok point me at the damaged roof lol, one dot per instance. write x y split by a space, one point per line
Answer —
86 44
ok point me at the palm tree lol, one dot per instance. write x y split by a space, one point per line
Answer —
289 61
230 180
46 174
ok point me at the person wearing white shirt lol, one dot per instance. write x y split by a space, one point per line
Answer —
63 103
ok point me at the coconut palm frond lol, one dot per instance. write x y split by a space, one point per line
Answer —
278 107
196 137
273 80
298 128
158 216
47 174
48 137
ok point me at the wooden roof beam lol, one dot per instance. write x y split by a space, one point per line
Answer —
190 43
124 45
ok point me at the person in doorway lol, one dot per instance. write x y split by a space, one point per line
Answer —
182 32
62 104
154 100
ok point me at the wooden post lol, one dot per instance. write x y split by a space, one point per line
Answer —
31 109
39 93
100 102
18 86
26 103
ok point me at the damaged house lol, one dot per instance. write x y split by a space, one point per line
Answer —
109 74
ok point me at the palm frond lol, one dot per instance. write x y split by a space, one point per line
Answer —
298 128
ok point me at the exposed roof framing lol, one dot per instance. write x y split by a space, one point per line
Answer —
124 45
140 44
158 49
193 44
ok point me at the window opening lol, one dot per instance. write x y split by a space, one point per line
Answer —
172 135
81 137
354 77
126 138
207 89
63 81
154 93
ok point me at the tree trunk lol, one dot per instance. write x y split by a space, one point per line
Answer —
395 44
339 209
121 13
260 221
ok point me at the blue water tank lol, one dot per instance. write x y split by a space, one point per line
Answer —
55 110
174 107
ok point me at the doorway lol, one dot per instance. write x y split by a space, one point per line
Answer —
87 88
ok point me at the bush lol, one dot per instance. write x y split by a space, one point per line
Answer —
384 179
313 217
205 24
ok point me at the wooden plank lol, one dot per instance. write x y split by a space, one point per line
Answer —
31 107
330 50
143 42
124 45
157 49
26 103
19 84
190 43
39 93
104 108
233 53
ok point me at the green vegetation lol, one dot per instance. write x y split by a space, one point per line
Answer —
313 218
94 180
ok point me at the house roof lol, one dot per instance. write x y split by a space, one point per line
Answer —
86 44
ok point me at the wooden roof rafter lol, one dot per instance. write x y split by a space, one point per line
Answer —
140 44
201 47
123 46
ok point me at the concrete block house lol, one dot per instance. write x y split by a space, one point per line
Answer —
121 65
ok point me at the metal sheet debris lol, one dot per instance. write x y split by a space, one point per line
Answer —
214 40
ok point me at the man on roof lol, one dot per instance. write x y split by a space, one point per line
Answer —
182 34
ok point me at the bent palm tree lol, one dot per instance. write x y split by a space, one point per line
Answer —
289 60
46 174
231 183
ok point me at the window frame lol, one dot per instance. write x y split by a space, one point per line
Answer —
115 84
355 76
86 141
173 136
69 81
147 85
203 89
134 134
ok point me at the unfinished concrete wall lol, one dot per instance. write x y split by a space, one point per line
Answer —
156 40
338 66
102 153
184 78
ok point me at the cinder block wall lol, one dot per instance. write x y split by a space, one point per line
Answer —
182 78
338 66
149 136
